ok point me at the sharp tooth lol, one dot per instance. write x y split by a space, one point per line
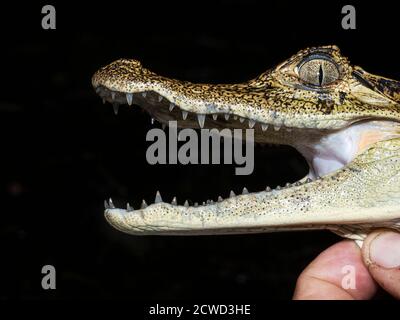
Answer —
201 118
264 127
159 98
184 114
276 128
232 194
128 207
196 204
251 123
308 180
268 189
297 183
186 204
171 106
278 188
144 94
203 203
215 116
163 126
111 204
226 116
220 199
174 202
112 95
245 191
208 201
158 197
288 185
152 120
129 98
106 206
235 117
143 205
116 107
241 120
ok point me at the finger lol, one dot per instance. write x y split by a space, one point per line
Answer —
381 253
338 273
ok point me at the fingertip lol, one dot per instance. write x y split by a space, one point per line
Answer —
337 273
381 254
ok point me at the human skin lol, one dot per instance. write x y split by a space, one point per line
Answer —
377 264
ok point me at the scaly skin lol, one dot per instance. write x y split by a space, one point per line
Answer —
344 120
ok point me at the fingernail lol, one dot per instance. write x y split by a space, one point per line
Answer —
385 250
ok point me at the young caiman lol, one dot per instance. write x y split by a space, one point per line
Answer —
343 120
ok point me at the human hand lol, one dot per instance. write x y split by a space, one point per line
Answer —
377 264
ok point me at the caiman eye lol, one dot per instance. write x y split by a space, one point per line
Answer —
318 72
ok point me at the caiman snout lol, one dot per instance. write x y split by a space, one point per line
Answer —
343 120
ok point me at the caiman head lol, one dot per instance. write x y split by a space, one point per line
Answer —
343 120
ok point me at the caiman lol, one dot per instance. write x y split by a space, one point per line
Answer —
343 120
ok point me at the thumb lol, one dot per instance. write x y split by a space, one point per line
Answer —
381 254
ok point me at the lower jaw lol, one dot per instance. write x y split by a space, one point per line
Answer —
266 211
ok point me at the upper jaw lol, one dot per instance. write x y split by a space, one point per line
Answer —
164 111
275 104
277 111
262 100
276 98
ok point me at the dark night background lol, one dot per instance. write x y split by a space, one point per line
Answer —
64 152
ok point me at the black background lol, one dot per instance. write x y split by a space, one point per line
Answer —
64 152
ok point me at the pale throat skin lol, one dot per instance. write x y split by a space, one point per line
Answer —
343 120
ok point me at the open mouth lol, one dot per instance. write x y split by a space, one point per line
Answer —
314 102
324 150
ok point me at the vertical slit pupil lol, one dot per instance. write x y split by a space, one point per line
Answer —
320 75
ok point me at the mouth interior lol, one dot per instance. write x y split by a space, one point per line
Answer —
325 151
